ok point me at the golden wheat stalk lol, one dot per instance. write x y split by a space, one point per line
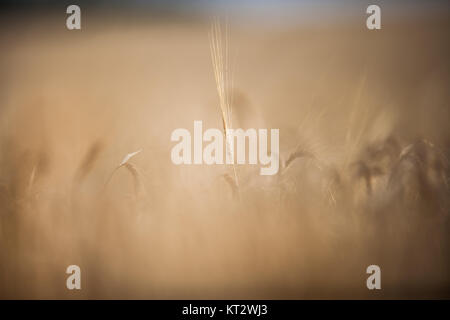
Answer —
355 129
224 80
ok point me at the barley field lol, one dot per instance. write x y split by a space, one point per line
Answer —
364 159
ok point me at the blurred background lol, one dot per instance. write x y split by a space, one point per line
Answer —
364 148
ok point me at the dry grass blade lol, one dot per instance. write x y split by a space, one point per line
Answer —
88 162
31 180
138 186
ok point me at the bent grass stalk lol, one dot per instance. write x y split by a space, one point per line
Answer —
132 169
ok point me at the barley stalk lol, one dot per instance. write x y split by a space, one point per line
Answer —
223 77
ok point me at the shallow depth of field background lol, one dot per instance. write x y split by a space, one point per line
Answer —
365 112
